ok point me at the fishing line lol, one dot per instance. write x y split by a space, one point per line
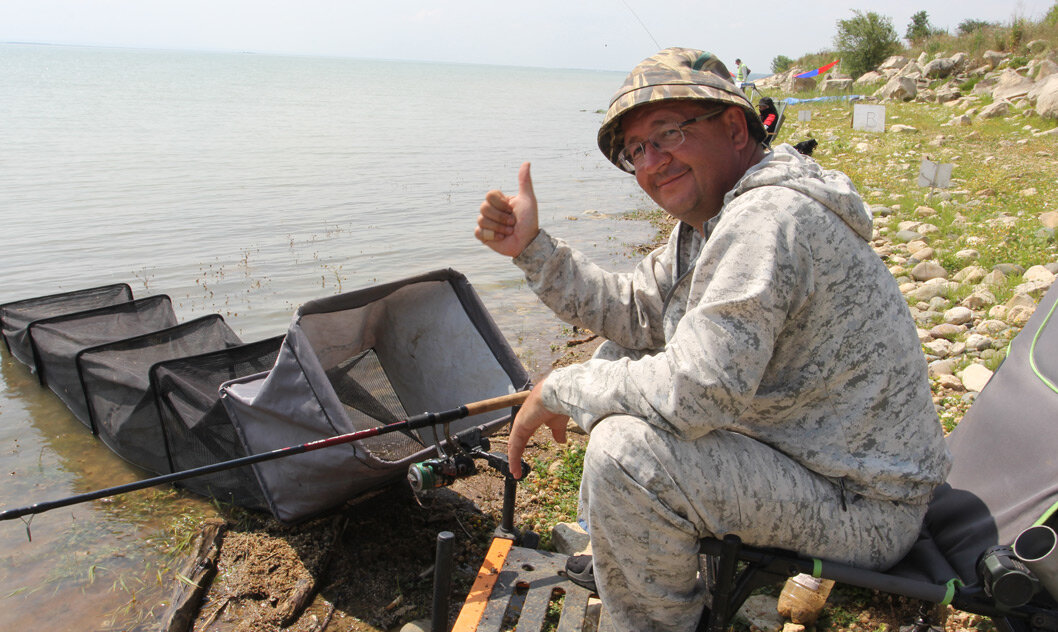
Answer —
641 24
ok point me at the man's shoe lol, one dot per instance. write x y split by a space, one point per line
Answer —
580 571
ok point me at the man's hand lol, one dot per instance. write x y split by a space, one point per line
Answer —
508 224
531 416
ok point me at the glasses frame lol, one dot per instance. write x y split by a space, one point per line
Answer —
626 164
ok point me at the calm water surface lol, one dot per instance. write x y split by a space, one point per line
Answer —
246 185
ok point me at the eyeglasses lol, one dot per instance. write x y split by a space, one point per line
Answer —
666 138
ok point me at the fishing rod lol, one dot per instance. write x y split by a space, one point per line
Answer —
418 421
636 15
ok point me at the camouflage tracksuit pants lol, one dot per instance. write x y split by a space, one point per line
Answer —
648 496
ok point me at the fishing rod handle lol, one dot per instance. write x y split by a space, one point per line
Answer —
496 403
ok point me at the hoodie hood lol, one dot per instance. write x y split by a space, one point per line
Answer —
785 167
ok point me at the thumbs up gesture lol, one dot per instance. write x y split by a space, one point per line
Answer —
508 223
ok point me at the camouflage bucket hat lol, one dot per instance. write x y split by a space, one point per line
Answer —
674 73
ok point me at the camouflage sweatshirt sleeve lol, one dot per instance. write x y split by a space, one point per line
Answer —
624 308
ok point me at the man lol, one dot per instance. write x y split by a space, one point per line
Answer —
761 376
741 74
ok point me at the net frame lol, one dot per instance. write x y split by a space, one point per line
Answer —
195 425
115 378
57 341
16 316
439 349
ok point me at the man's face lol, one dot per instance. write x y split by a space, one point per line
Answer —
689 182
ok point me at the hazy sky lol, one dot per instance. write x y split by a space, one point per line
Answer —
596 34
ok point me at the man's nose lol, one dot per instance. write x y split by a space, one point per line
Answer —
653 156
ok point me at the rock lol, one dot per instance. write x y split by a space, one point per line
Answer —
939 68
978 342
916 245
991 327
998 312
938 368
975 376
946 330
1044 69
924 254
835 83
996 110
895 62
950 382
1020 300
1019 315
1036 46
939 303
419 625
948 93
1010 86
961 120
930 289
799 84
995 277
569 538
939 347
1050 218
1009 269
903 129
993 58
1038 273
958 316
979 299
1045 94
928 270
790 626
762 612
969 274
898 88
907 235
869 78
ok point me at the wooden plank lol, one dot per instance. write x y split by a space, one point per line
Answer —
574 608
480 593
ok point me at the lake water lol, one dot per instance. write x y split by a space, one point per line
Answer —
246 185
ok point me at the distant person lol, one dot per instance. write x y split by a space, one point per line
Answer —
769 117
762 375
741 74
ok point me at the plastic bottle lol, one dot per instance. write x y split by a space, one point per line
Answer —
803 598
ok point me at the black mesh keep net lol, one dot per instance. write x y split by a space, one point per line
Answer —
57 341
195 424
117 387
16 316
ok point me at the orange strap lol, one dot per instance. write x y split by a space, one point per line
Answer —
478 598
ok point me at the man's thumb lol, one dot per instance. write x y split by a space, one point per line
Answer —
525 182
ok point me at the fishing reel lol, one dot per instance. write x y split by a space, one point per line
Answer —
440 472
458 460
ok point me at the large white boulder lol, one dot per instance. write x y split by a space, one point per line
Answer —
898 89
1047 97
1010 86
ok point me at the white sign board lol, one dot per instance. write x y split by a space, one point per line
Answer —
934 174
804 115
868 118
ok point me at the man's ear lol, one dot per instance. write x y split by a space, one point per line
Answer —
735 125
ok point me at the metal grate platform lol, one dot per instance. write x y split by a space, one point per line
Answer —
522 588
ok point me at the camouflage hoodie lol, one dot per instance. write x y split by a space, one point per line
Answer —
781 324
